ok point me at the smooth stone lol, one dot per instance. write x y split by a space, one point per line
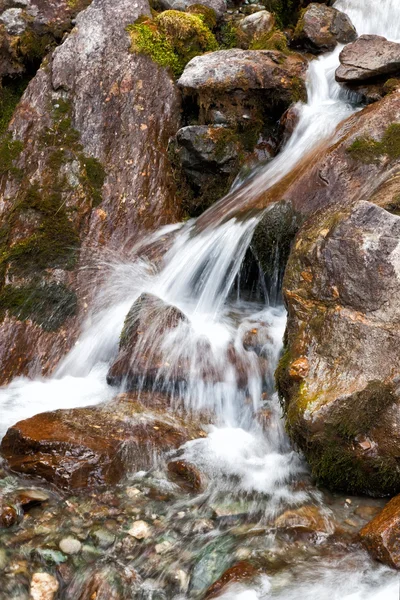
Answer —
140 530
70 545
43 586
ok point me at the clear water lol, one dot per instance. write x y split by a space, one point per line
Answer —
196 274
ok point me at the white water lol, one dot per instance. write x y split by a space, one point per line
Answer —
196 275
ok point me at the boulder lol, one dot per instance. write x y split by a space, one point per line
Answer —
241 572
321 28
369 57
277 77
339 375
69 186
260 23
206 151
381 535
218 6
69 448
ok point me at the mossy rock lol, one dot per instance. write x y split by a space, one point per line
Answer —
173 38
368 150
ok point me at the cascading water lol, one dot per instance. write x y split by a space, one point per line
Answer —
242 458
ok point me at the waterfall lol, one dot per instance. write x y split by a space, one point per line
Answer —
196 273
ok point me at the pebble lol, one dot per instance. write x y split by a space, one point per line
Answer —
103 538
140 530
43 586
163 547
132 492
70 545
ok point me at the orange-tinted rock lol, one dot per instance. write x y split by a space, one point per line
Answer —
306 518
240 572
187 475
381 536
8 516
70 448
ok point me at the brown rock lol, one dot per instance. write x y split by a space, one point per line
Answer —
321 28
368 57
307 518
299 368
242 571
381 536
187 475
69 448
8 516
65 144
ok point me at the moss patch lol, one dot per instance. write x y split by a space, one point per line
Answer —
9 152
369 151
173 38
274 40
10 95
48 305
232 36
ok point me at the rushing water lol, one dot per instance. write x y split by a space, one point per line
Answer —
196 274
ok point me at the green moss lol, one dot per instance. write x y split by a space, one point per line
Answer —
33 47
232 37
48 305
274 40
369 150
95 177
207 14
172 39
298 90
54 243
9 152
285 10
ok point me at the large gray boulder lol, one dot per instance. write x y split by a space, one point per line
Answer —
85 167
368 57
340 373
321 28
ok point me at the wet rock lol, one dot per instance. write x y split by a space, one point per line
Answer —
68 447
208 151
368 57
212 562
381 535
31 498
139 358
339 375
110 582
259 23
306 518
367 512
103 538
140 530
70 545
60 140
321 28
241 572
43 586
187 475
8 516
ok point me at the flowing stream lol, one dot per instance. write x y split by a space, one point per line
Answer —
245 460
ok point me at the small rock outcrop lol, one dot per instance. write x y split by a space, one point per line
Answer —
259 23
69 448
321 28
339 375
381 535
369 57
140 359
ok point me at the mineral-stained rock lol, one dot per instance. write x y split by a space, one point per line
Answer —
321 28
69 448
306 518
239 573
43 586
72 179
339 375
188 475
381 535
367 58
